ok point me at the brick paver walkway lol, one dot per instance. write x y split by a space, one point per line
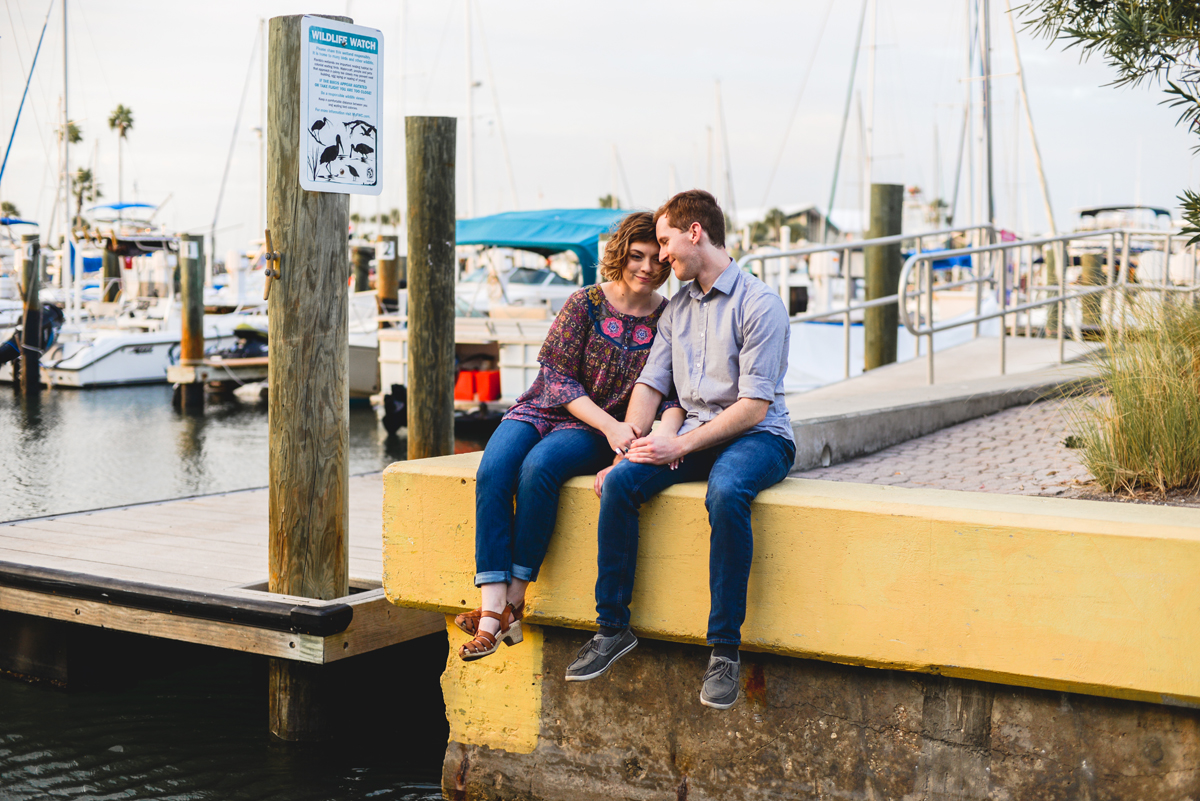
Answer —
1018 451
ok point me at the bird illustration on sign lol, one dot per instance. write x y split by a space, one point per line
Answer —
342 152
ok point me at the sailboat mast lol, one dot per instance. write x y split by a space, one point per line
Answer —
67 262
869 120
1037 153
985 53
262 126
470 119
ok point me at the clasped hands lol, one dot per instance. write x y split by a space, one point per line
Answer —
656 448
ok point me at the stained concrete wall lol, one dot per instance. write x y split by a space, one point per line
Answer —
1079 596
805 729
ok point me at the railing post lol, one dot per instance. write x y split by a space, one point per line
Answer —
1061 254
785 291
849 295
929 320
882 265
1003 298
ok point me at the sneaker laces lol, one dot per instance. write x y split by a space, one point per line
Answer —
721 669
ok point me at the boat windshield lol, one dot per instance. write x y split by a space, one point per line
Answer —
524 275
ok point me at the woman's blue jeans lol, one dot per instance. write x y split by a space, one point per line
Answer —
518 462
736 473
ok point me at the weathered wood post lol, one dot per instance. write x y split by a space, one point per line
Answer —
191 347
429 142
110 273
362 267
309 400
387 272
31 324
883 264
1092 275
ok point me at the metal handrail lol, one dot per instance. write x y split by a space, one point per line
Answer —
1061 243
845 248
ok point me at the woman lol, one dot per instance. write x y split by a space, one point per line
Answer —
568 424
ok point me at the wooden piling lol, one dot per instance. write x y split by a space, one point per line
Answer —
110 273
309 400
1092 265
429 144
387 272
191 349
362 256
31 325
883 265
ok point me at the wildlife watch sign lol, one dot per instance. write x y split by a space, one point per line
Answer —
341 105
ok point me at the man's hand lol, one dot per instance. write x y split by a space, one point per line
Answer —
657 449
599 484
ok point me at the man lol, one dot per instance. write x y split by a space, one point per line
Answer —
722 345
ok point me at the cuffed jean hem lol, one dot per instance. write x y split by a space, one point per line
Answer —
493 577
723 641
524 573
610 623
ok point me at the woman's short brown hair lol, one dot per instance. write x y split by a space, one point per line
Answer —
636 227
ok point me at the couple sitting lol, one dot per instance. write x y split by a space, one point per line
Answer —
710 363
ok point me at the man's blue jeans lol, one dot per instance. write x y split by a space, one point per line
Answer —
519 462
736 473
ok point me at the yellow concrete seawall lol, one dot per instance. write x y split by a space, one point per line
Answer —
1082 596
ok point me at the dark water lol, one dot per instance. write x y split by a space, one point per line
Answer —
171 721
188 722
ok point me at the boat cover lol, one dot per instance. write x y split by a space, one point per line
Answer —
546 232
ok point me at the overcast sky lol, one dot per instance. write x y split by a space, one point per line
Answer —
574 80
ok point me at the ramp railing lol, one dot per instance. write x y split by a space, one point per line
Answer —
1019 271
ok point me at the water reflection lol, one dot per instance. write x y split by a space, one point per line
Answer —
67 450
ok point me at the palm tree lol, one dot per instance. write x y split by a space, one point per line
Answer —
121 121
74 133
85 189
9 209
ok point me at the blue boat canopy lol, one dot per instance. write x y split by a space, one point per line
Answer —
545 232
15 221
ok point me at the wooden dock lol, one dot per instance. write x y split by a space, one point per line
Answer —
195 570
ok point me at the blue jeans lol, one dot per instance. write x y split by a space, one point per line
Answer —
519 462
736 473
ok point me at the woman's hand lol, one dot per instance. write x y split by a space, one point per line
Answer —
599 483
658 448
620 436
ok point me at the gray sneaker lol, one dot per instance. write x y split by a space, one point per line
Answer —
599 654
721 683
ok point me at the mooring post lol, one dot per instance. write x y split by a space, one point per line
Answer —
429 142
1092 275
387 272
191 348
883 265
31 324
110 274
309 400
362 256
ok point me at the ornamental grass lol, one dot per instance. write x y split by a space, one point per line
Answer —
1142 430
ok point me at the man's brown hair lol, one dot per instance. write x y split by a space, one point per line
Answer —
635 227
695 206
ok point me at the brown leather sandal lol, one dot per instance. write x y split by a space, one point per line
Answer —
469 621
485 643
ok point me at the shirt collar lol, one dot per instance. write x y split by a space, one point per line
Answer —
725 281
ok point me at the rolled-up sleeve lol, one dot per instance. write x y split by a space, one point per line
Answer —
763 356
657 372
